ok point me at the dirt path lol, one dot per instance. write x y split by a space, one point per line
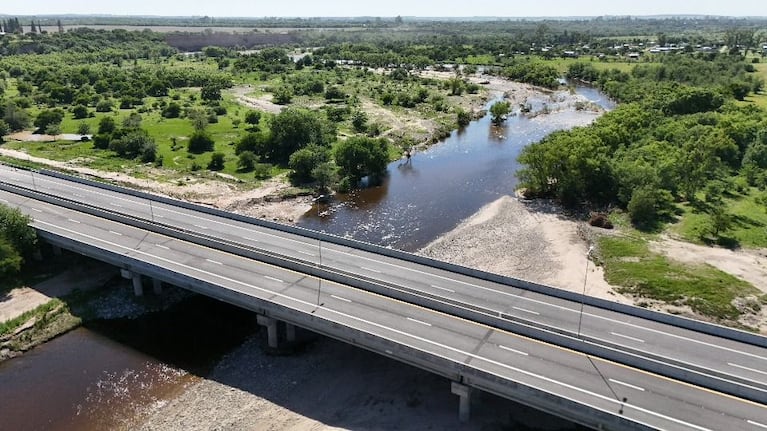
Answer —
263 103
23 299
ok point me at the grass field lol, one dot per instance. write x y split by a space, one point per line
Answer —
629 263
749 228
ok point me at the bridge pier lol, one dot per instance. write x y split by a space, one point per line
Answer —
290 332
464 400
271 330
138 287
157 286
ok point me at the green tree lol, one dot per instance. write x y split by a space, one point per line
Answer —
720 221
283 95
499 111
131 143
326 175
79 112
132 121
48 117
200 142
294 128
4 129
246 161
648 205
10 259
105 106
358 157
216 162
210 93
256 142
173 110
15 229
359 121
199 119
253 117
303 161
15 117
107 125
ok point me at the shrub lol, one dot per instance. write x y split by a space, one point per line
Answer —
200 142
104 106
79 112
247 161
216 162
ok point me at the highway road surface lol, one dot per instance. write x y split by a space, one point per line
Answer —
596 384
729 360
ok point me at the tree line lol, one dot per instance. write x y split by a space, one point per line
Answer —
678 135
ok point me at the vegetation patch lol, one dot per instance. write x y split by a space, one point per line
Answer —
629 263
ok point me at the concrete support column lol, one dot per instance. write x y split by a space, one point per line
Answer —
271 330
290 332
138 288
157 286
464 400
56 250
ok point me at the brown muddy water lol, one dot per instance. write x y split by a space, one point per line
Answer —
104 375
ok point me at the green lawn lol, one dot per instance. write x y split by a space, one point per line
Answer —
629 263
749 222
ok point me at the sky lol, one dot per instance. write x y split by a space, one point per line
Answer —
385 8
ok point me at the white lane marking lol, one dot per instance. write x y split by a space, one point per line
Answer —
210 218
252 239
757 424
443 288
518 352
201 226
389 352
544 303
370 269
628 385
77 195
115 233
746 368
605 398
115 205
162 246
419 321
214 261
73 220
527 311
638 340
159 216
306 253
37 210
340 299
273 279
3 200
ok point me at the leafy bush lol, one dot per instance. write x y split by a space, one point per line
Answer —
200 142
216 162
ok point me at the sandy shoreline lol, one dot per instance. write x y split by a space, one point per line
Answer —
529 240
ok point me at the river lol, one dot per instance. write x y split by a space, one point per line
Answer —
103 375
428 196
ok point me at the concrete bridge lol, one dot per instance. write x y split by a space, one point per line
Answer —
470 337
